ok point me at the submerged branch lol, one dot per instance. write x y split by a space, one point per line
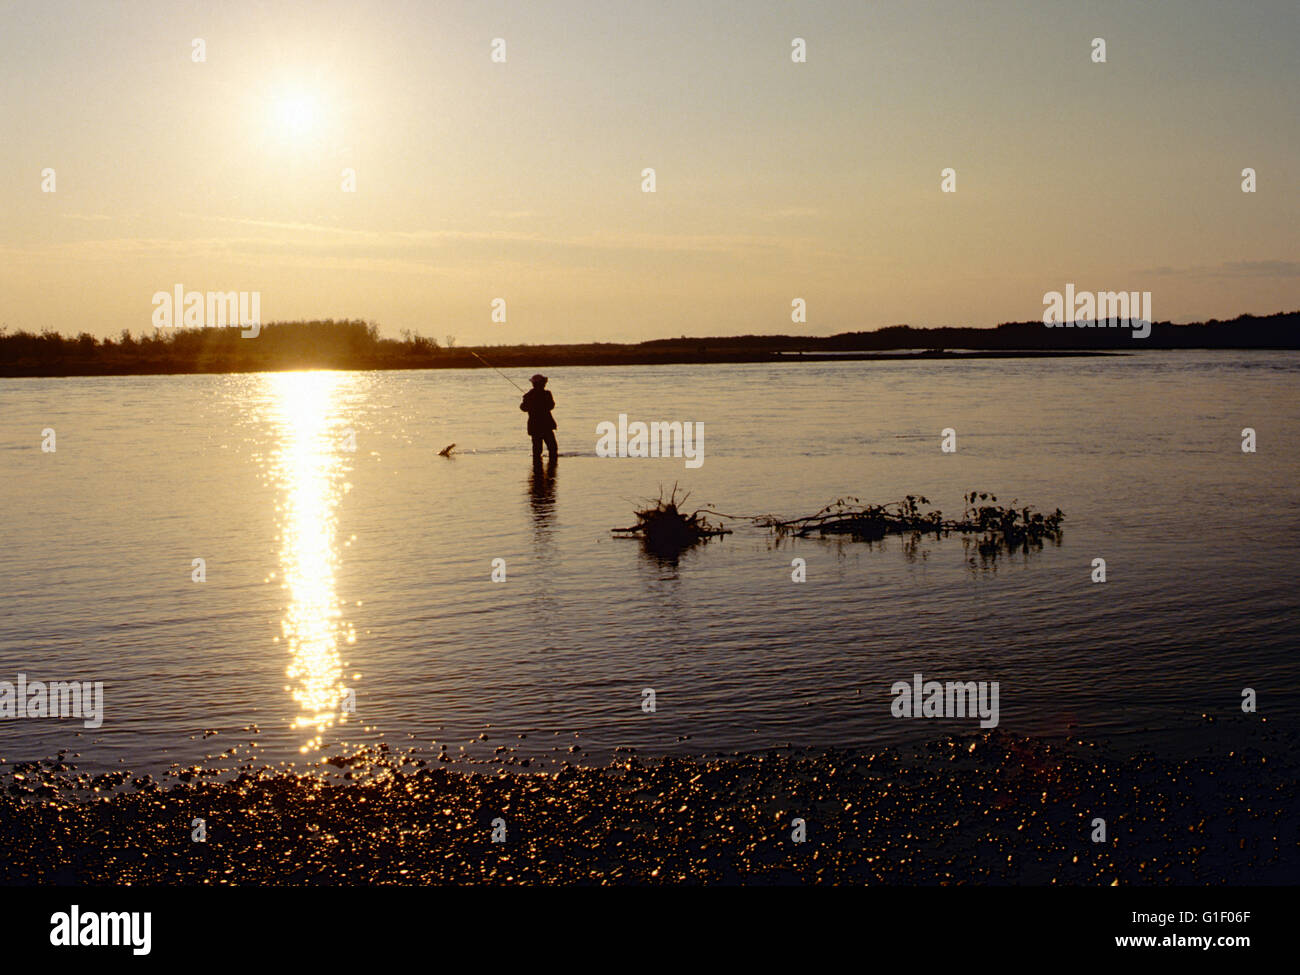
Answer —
666 529
1009 525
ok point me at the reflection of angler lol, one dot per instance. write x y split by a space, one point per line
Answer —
541 493
538 403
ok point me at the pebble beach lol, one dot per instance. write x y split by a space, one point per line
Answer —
990 808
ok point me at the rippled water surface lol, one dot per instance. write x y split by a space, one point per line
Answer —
364 576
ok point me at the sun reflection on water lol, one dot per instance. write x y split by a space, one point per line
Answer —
309 468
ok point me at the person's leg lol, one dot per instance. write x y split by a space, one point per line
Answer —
551 446
537 448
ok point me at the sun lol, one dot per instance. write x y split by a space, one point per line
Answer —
296 113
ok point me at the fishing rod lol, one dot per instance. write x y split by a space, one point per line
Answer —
495 369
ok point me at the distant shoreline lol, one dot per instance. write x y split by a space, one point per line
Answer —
358 346
453 361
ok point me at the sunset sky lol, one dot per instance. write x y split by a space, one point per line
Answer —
522 180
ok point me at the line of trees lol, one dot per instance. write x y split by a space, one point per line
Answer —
357 345
1277 331
292 345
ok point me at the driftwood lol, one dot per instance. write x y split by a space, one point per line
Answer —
666 529
1007 527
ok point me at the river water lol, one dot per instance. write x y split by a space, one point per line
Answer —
348 593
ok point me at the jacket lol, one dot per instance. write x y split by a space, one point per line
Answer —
538 403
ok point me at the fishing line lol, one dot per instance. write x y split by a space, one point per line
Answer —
495 369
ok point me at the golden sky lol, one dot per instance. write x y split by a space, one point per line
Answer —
522 180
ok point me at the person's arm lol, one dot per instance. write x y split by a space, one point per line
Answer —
523 403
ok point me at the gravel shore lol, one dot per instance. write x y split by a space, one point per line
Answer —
989 809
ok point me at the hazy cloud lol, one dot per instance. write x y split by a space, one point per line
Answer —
1230 269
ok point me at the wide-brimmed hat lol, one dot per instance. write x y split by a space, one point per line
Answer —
539 378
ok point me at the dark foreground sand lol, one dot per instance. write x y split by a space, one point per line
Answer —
992 808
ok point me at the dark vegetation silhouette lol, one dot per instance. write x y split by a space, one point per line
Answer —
666 530
1003 526
358 345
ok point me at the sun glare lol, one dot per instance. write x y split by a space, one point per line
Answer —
310 474
296 114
